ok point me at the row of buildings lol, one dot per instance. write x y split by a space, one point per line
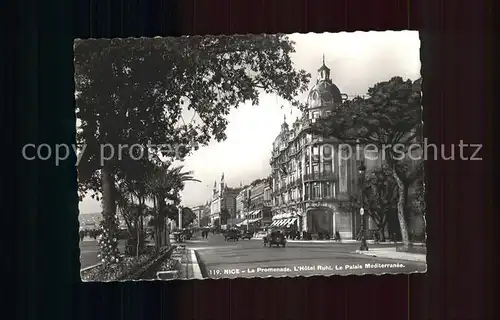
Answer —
244 205
310 177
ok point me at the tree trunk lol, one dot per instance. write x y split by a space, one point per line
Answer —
108 191
401 209
137 237
406 189
380 227
143 235
161 222
157 225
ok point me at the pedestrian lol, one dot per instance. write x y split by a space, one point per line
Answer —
337 236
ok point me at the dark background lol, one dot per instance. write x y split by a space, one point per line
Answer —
40 205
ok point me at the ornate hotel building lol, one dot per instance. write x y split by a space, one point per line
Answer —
310 175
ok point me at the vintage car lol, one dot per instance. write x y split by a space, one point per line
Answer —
188 234
232 235
247 235
275 237
178 236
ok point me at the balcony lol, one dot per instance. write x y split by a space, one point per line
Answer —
320 176
328 198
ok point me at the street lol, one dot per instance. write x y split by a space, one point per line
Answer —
249 258
89 249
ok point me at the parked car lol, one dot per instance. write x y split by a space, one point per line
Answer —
275 237
178 236
247 235
260 234
232 235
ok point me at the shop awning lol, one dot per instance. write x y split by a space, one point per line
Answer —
254 220
254 212
281 216
283 222
242 223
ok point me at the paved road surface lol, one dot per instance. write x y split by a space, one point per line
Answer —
249 258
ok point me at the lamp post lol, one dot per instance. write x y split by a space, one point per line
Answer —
180 218
361 170
168 225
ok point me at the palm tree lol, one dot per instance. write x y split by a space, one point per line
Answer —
164 183
131 196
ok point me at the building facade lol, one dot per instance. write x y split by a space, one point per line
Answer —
242 201
222 197
268 201
198 211
311 175
257 211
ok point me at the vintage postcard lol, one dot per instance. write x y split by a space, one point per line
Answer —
250 156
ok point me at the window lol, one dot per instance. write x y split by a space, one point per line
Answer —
315 115
316 150
306 195
315 191
316 168
327 167
327 151
327 190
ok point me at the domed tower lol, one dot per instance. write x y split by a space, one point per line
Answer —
320 162
306 171
324 96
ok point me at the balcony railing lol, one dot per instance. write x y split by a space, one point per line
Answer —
322 198
320 176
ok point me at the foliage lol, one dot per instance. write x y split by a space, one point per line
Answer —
419 203
188 216
108 242
205 221
389 116
136 90
166 181
116 271
380 196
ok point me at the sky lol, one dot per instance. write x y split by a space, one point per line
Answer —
357 61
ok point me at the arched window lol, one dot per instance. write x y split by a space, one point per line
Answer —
327 151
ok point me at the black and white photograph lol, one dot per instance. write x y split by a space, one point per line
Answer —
250 156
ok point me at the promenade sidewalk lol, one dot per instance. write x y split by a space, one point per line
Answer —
190 268
347 241
391 253
192 265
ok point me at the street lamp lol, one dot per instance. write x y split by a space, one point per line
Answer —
361 170
168 225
